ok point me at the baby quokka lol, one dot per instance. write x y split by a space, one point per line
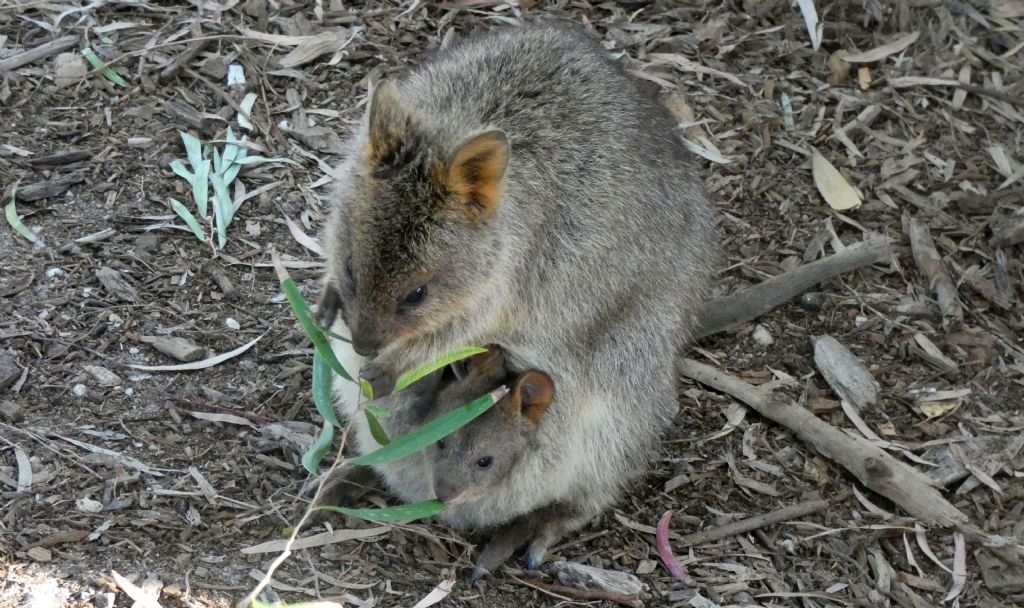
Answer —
470 467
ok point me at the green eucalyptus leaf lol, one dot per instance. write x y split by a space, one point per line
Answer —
429 433
378 411
366 389
311 459
316 335
416 510
424 370
376 430
108 73
322 389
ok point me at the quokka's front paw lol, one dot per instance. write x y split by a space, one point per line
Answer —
343 489
380 377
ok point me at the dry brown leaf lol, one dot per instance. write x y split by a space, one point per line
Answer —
1008 9
834 188
880 53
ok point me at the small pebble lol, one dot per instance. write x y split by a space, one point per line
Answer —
54 272
79 390
232 323
134 350
811 301
859 320
762 336
140 143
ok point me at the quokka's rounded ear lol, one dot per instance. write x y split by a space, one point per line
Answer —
532 393
389 124
474 173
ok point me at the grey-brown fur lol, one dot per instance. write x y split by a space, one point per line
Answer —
592 267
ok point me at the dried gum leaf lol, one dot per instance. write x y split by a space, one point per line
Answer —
834 188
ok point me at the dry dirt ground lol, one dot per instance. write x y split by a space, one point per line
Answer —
167 476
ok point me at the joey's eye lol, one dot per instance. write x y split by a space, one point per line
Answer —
348 269
416 296
484 462
440 444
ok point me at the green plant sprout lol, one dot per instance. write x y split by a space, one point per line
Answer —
213 169
325 364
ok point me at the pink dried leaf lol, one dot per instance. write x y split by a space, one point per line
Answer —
665 550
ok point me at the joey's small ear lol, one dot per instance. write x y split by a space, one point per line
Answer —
389 123
532 393
475 172
490 363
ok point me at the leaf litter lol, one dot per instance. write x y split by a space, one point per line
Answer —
930 130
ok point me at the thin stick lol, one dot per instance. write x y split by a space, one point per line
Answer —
760 521
36 53
930 263
874 467
757 300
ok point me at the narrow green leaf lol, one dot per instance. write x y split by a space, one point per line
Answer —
378 411
415 374
311 459
376 430
322 389
108 73
11 212
222 208
193 149
179 168
366 389
201 187
231 170
429 433
186 215
416 510
301 310
335 336
218 165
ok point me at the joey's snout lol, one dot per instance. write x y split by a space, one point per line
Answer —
446 492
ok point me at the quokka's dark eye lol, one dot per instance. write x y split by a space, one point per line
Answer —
484 462
348 269
416 296
440 444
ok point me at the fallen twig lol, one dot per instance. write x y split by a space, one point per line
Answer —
36 53
928 261
565 591
796 511
875 468
757 300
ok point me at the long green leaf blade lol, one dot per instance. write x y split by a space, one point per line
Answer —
301 310
376 430
186 215
255 160
193 149
11 213
201 186
429 433
108 73
179 169
415 374
222 208
322 389
311 459
409 512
